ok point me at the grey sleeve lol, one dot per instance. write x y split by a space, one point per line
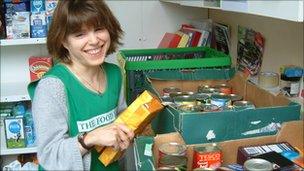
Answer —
122 105
55 149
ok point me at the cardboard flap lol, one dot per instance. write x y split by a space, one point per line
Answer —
292 132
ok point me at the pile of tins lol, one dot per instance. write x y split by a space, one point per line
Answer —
206 157
206 99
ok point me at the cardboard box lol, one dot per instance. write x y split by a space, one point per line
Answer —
196 127
291 132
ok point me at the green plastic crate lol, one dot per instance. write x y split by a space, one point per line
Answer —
139 62
174 58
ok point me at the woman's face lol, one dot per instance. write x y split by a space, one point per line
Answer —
89 46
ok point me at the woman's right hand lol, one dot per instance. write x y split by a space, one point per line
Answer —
114 135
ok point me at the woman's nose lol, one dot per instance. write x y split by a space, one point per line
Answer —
93 39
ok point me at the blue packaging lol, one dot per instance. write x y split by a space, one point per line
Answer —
10 8
37 5
38 25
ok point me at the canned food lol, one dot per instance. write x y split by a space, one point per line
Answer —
202 98
172 154
202 87
171 89
257 164
210 107
166 100
209 91
184 99
224 88
168 168
241 105
190 108
235 97
207 156
174 94
220 100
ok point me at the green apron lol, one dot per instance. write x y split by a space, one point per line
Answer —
88 110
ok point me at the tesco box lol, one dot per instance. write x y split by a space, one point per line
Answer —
146 149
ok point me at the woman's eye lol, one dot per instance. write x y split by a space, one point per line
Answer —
79 34
99 29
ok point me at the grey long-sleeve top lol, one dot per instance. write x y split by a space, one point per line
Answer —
55 149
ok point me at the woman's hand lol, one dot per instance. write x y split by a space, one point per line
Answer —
114 135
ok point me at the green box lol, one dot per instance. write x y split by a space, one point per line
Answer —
138 62
271 111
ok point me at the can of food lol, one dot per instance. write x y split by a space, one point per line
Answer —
220 100
172 168
202 98
184 99
203 87
235 97
207 156
257 164
172 154
166 100
171 89
190 108
209 91
224 88
174 94
210 107
241 105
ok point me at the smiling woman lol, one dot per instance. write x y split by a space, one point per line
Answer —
83 88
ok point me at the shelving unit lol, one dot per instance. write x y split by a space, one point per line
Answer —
14 42
5 151
14 92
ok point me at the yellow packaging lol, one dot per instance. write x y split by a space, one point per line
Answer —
137 116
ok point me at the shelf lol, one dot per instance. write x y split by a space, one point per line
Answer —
5 151
12 42
14 92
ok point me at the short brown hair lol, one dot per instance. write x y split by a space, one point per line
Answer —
69 17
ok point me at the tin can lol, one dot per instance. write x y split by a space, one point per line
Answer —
184 99
220 100
172 154
241 105
174 94
172 168
209 91
166 100
202 98
190 108
235 97
210 107
171 89
224 88
203 87
257 164
207 156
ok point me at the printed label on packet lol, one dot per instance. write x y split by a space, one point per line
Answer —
38 66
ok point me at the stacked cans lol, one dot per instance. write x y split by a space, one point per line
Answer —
206 99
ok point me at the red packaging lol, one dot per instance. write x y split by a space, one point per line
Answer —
38 66
207 157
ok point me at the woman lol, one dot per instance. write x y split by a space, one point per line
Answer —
76 102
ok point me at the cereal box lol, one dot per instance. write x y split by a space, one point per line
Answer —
38 66
37 5
38 25
14 131
21 25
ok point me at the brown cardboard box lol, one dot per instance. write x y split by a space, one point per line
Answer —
269 113
291 132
